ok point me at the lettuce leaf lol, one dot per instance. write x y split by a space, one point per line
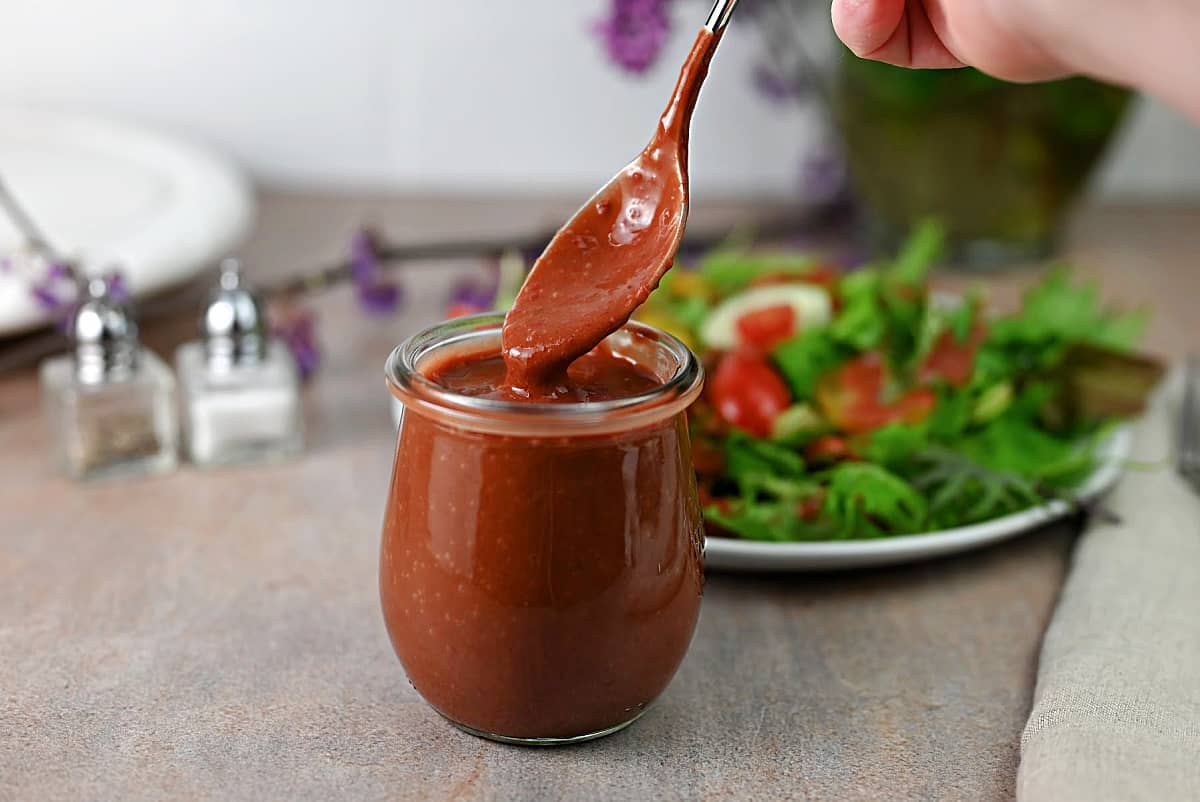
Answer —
804 358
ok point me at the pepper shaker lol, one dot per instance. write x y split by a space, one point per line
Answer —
111 402
241 388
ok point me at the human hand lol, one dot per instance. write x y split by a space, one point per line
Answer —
1149 44
993 35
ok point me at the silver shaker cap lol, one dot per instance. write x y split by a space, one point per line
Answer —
234 324
105 335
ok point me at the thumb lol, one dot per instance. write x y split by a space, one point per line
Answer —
865 26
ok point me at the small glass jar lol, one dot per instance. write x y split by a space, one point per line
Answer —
241 389
110 402
242 413
542 564
123 426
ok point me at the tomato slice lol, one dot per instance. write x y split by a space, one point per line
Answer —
767 326
747 392
914 406
810 508
951 360
828 448
851 397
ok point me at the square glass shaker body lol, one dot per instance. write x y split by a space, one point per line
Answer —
241 414
123 427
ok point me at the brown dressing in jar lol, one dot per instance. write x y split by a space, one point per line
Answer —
543 586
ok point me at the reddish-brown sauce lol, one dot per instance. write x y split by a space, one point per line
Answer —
608 258
599 375
541 587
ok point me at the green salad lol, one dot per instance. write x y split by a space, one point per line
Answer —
858 405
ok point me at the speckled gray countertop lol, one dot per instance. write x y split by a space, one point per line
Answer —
218 635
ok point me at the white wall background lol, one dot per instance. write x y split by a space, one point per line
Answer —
410 95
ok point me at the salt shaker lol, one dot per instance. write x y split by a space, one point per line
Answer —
241 389
111 402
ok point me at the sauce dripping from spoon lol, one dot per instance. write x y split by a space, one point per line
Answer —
611 255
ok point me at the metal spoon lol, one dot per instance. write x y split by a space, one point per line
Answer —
607 259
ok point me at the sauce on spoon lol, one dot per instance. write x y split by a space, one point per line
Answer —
611 255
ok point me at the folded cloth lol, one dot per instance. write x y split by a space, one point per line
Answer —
1116 712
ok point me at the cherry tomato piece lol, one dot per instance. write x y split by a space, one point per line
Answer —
828 448
849 396
852 397
767 327
810 508
747 392
914 406
951 360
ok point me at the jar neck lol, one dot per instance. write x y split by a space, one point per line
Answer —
677 370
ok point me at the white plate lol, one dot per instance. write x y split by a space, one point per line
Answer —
748 555
110 193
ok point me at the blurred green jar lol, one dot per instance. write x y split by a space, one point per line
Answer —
999 163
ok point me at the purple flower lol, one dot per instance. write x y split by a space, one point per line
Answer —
476 294
60 271
118 288
376 295
46 297
823 177
55 291
634 32
380 298
364 256
296 326
776 87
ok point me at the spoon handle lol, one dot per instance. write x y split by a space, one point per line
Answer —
719 18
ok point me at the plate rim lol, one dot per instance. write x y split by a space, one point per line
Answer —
213 215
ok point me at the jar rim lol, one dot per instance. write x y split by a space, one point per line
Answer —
416 391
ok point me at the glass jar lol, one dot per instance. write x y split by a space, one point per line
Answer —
111 402
241 388
999 164
542 564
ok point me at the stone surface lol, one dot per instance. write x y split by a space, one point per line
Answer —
218 635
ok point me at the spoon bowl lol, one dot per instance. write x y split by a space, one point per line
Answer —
611 255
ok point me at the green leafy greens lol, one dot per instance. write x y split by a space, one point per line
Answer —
1020 427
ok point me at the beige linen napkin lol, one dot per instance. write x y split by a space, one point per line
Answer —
1116 713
